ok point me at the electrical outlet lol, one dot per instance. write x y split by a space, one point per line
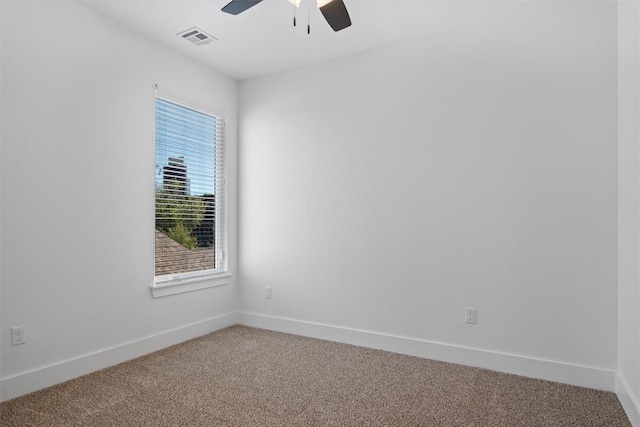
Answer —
267 292
18 335
470 315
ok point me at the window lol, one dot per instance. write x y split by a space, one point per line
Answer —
190 234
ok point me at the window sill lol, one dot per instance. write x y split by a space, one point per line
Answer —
164 289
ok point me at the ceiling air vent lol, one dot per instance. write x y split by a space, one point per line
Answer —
196 35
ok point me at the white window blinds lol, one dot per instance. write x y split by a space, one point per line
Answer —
190 236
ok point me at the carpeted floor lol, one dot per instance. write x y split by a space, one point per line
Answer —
242 376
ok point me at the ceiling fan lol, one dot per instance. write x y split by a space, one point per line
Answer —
334 11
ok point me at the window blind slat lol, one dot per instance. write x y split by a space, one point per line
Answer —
175 147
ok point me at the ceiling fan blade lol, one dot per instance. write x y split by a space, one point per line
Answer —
236 7
335 12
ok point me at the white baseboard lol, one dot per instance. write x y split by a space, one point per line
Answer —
629 401
584 376
40 378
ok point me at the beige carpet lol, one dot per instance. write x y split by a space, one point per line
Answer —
242 376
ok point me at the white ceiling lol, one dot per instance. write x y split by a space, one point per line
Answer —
262 40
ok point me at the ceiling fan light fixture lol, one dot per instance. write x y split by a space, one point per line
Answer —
334 11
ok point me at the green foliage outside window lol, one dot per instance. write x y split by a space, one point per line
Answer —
182 235
178 215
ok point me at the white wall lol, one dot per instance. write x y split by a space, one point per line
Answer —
1 9
628 385
476 166
77 193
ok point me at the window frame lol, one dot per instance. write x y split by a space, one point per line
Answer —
170 284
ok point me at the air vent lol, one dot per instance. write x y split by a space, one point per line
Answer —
196 36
